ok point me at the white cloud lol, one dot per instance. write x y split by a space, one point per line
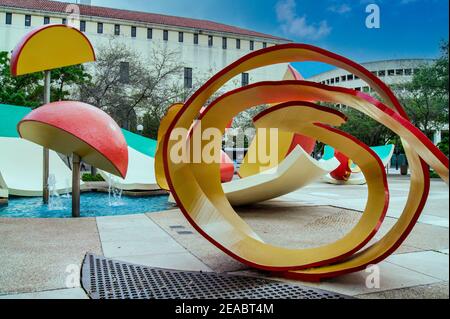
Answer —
340 9
298 26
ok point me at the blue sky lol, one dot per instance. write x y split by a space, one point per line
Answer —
408 28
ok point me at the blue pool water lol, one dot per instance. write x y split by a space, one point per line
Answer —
92 205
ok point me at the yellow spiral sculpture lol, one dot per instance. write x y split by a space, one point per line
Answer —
197 189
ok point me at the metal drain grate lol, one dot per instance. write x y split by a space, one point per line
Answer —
104 278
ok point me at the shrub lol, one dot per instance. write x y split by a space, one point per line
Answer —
87 177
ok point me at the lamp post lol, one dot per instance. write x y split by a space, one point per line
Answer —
140 128
45 171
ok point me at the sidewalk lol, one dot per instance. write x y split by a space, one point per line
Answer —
35 253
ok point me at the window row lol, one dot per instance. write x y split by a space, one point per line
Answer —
381 73
133 32
245 80
27 20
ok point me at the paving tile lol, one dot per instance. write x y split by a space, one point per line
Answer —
134 235
430 263
179 261
139 221
72 293
131 234
434 220
391 277
157 245
433 291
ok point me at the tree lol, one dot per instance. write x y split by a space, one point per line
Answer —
28 90
443 146
124 84
366 129
67 78
425 98
24 90
178 93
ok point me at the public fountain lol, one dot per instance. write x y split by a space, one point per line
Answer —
114 193
55 202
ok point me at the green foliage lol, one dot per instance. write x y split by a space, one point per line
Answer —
443 146
28 90
87 177
366 129
433 174
151 125
425 98
69 76
23 90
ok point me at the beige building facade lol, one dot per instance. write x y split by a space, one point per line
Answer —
204 47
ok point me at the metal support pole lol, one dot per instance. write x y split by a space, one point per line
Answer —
45 192
75 185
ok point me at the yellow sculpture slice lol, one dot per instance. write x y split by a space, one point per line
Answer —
49 47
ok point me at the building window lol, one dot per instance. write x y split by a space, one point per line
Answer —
382 73
64 21
99 27
117 29
187 78
244 80
252 45
133 32
8 18
82 26
124 75
27 20
343 78
224 43
46 20
391 72
180 36
210 41
238 43
264 45
166 35
374 73
399 72
366 89
336 80
195 38
332 81
408 72
349 77
358 89
149 33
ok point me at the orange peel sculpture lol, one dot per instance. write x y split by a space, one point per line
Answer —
343 172
70 127
197 189
49 47
226 167
286 142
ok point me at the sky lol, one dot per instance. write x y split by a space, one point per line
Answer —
407 28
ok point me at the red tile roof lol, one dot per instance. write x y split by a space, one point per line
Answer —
86 10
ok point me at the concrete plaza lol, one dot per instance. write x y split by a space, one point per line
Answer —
40 257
